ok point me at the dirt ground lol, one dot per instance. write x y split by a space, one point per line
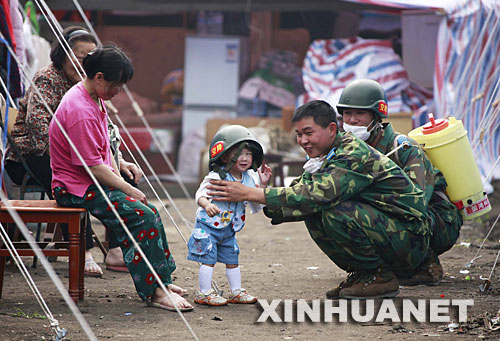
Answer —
277 262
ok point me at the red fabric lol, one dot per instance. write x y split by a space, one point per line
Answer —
63 15
6 7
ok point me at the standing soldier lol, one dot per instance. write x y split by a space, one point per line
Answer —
359 207
363 105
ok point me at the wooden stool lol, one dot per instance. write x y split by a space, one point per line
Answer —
47 211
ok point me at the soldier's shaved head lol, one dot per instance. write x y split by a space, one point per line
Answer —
322 113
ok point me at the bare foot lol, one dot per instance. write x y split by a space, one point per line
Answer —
91 268
115 257
162 301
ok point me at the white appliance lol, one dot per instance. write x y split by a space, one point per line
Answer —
214 67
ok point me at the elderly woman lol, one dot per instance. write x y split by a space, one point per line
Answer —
82 115
30 133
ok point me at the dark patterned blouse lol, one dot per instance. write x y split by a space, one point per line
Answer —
30 132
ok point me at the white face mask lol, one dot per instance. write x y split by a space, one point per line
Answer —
313 165
358 131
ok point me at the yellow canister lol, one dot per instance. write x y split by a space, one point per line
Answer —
447 146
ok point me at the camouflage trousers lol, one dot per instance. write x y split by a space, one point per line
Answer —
446 224
145 225
358 237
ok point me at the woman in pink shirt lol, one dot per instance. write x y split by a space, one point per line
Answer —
83 116
30 134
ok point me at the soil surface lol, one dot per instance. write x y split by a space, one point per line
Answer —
277 262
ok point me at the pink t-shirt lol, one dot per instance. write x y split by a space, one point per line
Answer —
86 126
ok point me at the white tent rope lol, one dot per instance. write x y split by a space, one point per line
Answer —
135 105
480 133
481 124
188 224
154 192
64 44
62 41
162 151
491 78
171 200
484 240
494 265
138 110
11 101
150 167
67 48
50 271
22 268
58 31
487 120
125 228
491 171
105 197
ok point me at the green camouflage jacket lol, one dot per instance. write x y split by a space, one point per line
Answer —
356 172
413 162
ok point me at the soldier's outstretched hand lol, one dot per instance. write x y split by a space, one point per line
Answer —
234 191
222 190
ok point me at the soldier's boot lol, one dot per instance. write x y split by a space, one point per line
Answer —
372 285
430 273
334 292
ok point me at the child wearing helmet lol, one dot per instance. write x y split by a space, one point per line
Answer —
234 150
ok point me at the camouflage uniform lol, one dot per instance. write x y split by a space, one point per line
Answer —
445 217
360 208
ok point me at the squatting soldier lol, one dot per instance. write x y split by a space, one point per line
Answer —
363 105
359 207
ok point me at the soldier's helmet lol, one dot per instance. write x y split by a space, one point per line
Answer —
230 136
364 94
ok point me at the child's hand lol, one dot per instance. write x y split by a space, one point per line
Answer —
265 173
212 210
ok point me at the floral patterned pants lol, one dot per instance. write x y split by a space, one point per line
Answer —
145 225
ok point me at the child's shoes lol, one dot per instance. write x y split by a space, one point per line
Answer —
241 296
209 298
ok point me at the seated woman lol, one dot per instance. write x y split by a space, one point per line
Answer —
30 133
82 115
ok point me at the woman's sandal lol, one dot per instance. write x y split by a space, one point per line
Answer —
164 303
92 269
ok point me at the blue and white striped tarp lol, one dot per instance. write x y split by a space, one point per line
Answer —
331 64
467 76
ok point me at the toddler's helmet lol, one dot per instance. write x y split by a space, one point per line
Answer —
230 136
364 94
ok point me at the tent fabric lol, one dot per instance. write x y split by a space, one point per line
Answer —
467 76
331 64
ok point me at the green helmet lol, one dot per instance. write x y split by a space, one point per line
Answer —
364 94
228 137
